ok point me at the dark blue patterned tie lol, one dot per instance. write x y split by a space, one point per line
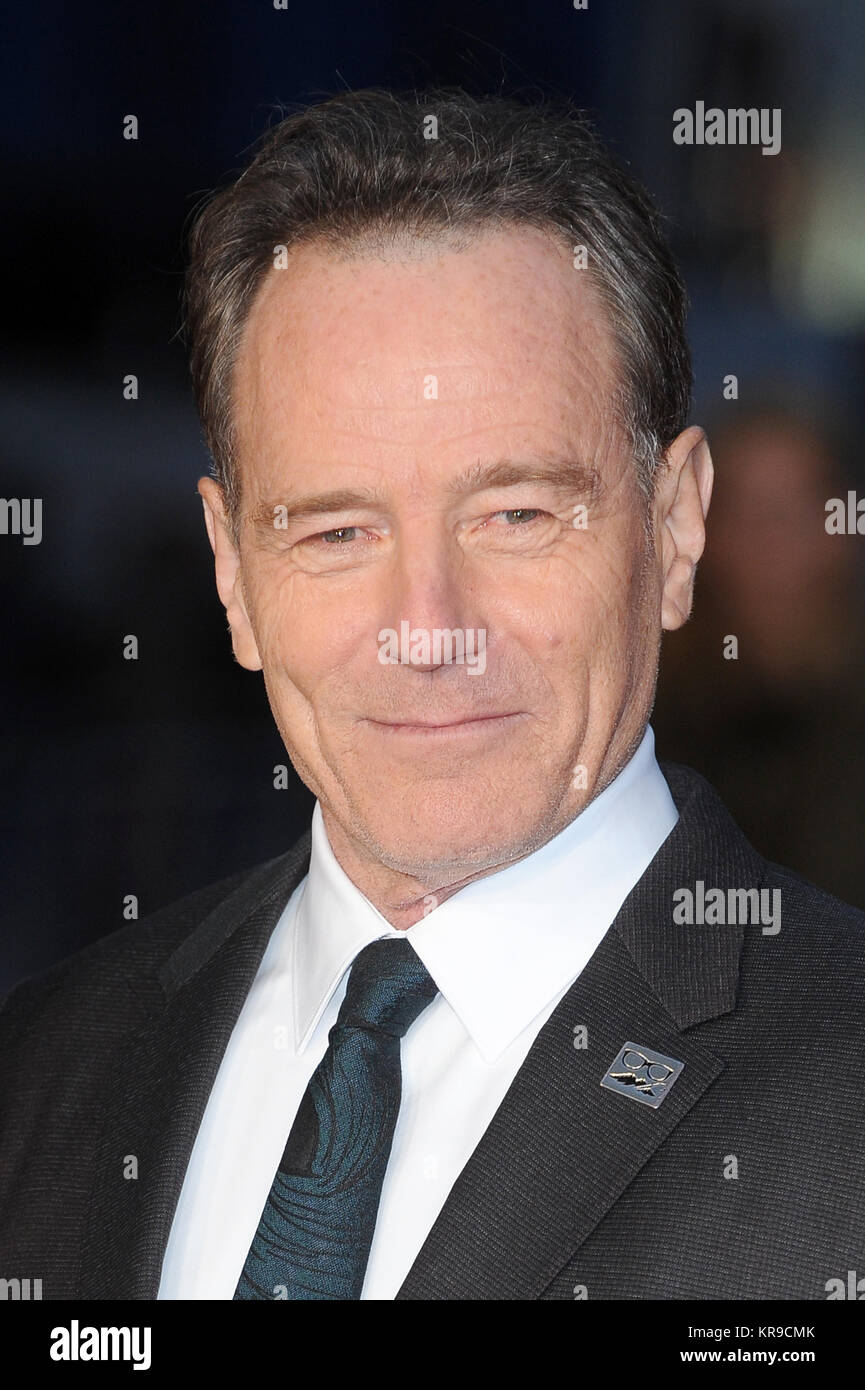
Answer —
315 1232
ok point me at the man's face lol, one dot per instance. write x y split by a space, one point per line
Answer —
418 434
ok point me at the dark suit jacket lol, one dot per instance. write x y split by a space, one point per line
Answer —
572 1187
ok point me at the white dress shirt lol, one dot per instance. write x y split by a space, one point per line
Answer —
502 951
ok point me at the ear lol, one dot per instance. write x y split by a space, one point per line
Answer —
682 499
228 575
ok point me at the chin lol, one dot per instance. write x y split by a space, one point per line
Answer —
430 836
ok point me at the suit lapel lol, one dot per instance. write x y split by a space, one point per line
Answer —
561 1148
163 1078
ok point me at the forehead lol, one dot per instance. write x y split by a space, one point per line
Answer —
496 341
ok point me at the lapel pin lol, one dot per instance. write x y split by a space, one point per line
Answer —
642 1074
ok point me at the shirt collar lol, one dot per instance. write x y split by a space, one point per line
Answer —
504 946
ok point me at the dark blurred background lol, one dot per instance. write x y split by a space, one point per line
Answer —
153 777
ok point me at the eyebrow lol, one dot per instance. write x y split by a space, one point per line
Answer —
558 471
318 504
562 472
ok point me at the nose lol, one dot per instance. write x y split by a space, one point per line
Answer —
431 590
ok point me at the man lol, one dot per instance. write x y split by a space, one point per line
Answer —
522 1017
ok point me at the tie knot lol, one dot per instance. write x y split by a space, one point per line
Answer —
388 987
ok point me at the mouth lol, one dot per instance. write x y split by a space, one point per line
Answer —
443 728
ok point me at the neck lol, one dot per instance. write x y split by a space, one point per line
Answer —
401 898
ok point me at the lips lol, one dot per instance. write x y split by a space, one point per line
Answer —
431 725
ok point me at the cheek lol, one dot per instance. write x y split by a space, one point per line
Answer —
613 617
310 634
285 629
584 606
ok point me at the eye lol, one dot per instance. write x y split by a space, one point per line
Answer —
515 531
520 516
340 535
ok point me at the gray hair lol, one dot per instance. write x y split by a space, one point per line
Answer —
358 166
